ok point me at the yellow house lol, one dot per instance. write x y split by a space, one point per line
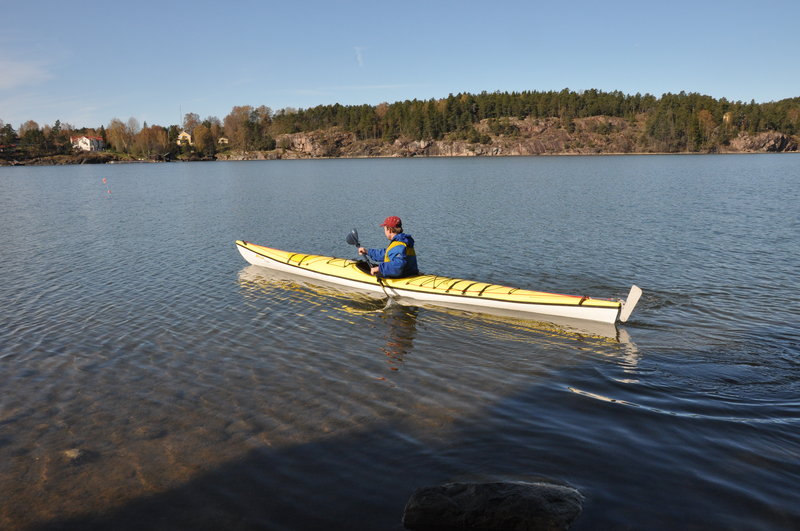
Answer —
184 138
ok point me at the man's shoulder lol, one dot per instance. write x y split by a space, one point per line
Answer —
404 238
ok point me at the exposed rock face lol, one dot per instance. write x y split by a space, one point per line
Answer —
493 506
529 136
320 143
763 142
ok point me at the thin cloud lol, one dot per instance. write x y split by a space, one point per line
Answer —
15 74
327 91
240 82
306 92
372 87
78 111
359 56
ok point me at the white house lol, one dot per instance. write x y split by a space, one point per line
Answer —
87 143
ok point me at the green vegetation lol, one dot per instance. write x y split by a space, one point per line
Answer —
673 123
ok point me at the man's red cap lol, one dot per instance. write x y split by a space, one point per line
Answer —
392 222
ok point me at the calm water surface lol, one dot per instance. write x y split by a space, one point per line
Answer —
150 378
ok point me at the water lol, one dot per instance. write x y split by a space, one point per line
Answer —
152 379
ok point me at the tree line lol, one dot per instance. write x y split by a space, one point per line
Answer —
672 123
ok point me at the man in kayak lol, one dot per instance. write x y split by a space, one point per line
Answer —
399 259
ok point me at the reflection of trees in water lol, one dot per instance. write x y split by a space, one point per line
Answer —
401 329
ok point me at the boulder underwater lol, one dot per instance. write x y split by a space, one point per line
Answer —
489 506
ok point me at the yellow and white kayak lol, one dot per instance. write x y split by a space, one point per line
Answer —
441 291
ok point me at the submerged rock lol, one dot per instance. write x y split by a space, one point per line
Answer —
507 506
150 432
79 456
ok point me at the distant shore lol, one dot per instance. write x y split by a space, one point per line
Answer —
591 136
67 160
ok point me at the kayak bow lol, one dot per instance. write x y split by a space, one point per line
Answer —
441 291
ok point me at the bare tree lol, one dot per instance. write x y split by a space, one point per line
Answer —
190 121
151 142
30 125
203 140
133 126
119 136
237 126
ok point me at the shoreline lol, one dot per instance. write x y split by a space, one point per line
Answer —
77 160
530 138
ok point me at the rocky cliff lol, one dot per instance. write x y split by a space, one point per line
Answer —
763 143
584 136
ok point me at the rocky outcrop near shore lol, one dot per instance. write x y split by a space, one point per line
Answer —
769 142
514 137
493 506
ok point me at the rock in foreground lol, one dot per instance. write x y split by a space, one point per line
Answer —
507 506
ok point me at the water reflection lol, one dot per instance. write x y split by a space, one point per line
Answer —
401 320
293 290
596 338
401 329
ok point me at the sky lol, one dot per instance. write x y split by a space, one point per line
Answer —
86 63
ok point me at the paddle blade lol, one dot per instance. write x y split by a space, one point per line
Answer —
630 303
352 238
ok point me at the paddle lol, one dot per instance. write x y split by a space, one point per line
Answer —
630 303
352 239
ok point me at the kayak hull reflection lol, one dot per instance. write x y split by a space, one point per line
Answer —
438 290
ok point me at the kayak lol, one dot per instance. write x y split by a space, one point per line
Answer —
441 291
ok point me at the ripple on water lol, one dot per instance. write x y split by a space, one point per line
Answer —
144 369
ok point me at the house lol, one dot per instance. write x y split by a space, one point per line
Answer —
223 141
185 138
87 143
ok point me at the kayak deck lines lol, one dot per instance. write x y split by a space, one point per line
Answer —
441 290
486 290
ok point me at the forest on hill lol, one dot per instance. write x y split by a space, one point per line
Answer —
566 121
673 123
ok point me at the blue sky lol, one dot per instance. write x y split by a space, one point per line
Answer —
85 63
